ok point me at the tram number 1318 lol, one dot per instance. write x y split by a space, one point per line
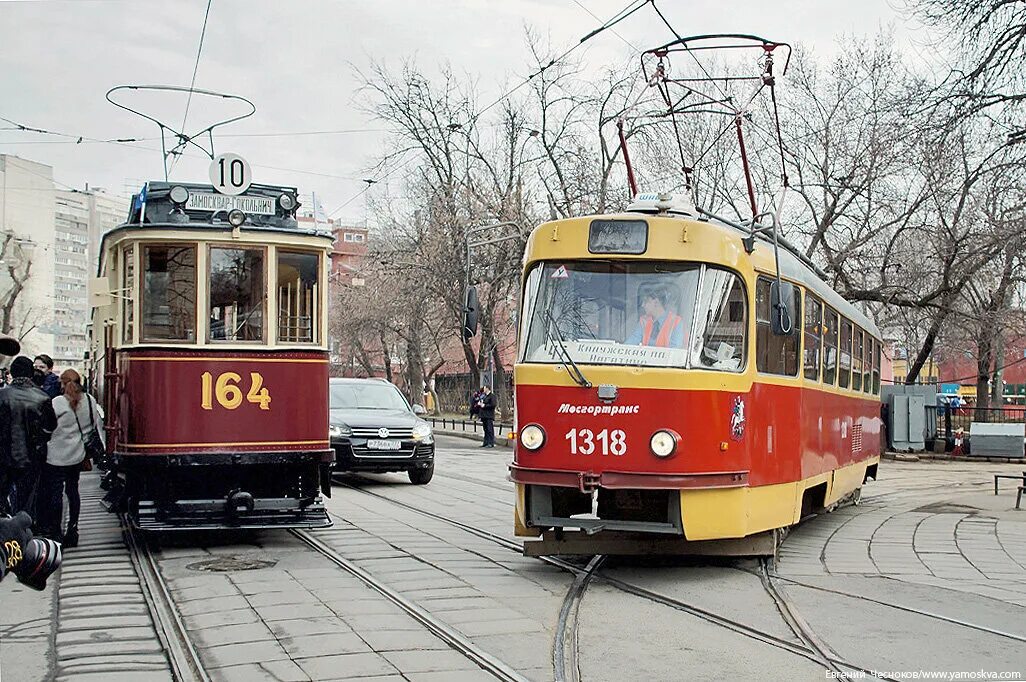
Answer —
587 442
228 394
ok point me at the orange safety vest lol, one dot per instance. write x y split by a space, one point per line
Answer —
663 338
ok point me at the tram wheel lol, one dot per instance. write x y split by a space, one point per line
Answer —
422 476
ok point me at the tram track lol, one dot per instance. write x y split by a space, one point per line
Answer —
799 648
182 654
789 613
455 639
907 609
565 658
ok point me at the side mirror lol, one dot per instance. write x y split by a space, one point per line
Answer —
419 409
470 313
782 309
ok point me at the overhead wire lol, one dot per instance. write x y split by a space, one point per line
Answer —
192 84
620 16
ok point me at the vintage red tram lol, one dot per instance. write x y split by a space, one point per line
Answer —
209 355
722 424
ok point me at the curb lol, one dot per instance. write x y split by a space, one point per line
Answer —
476 437
929 456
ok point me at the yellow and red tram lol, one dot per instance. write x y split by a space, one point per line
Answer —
209 355
657 399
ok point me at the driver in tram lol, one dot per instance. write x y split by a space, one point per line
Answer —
658 325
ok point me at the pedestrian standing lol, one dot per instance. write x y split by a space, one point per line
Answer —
486 410
26 422
44 376
77 415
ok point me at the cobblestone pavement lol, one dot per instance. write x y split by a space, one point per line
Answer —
928 573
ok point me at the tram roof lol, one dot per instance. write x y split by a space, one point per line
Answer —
205 211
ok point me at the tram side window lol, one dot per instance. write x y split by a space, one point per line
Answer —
867 365
169 293
298 297
128 284
844 364
844 355
719 341
813 336
830 347
856 362
876 368
774 354
237 294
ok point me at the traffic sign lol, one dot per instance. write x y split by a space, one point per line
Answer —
230 174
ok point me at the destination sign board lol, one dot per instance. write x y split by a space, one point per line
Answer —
618 236
204 201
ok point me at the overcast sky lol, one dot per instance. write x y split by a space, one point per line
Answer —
294 61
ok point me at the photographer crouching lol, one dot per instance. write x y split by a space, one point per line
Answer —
25 424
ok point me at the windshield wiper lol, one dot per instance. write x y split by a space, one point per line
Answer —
564 355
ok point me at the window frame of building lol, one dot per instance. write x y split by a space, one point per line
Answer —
144 251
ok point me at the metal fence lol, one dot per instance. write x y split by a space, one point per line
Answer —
949 419
467 425
454 391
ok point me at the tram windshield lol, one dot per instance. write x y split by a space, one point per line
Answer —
635 313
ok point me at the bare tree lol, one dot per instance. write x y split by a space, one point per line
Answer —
19 268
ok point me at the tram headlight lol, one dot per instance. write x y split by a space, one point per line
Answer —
423 434
532 437
339 431
287 202
664 443
179 196
236 217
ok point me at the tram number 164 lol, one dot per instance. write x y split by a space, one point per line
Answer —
226 391
586 441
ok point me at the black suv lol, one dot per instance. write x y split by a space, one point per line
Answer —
373 428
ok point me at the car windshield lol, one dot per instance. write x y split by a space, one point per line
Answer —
644 313
370 396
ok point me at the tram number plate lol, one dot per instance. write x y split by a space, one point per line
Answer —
384 445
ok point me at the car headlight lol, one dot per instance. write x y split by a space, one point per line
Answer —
663 443
532 437
423 433
339 431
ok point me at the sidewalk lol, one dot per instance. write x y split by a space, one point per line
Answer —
461 427
93 608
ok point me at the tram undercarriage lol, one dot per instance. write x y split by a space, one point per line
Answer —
725 521
221 491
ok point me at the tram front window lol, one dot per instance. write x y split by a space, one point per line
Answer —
635 313
169 293
298 297
236 294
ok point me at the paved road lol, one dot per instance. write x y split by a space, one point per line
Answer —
929 573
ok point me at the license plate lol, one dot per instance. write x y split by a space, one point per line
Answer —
384 444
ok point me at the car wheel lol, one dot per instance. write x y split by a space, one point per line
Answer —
422 476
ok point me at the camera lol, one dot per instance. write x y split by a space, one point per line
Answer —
32 560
